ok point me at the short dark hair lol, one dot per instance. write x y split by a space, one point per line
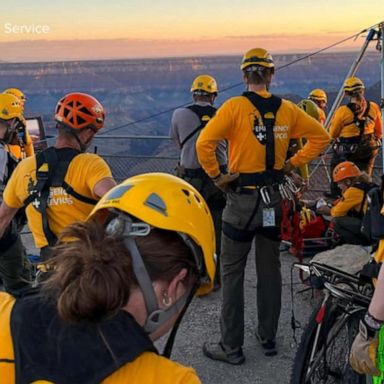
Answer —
261 76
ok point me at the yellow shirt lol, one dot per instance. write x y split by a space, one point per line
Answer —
342 124
379 254
234 122
83 173
28 147
148 368
351 201
322 116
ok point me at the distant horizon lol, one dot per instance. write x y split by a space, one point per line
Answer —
345 50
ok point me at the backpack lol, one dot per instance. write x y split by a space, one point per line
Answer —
373 221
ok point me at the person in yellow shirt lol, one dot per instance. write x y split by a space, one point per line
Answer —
119 281
24 148
11 267
319 97
367 351
356 128
348 212
258 127
296 144
61 184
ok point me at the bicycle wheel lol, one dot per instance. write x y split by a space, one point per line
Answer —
323 355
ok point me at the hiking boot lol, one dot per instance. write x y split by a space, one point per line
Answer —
269 346
217 351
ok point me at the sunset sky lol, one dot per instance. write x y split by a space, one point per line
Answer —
142 28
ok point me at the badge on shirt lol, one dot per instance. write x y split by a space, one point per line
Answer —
260 130
269 217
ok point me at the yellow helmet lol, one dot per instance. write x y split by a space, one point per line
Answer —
10 107
168 202
204 83
310 108
15 92
353 84
318 94
257 57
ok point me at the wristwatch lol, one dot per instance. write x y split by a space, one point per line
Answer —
372 324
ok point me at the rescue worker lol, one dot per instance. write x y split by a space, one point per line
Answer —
186 126
296 144
24 147
12 251
319 97
356 128
120 280
258 127
367 352
61 184
348 212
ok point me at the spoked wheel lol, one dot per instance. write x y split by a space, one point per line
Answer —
323 354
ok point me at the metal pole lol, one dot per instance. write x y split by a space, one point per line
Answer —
352 71
340 95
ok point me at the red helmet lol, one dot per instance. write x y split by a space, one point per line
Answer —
79 110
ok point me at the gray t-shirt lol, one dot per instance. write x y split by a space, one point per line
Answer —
3 169
184 121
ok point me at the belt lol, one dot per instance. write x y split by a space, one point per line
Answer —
256 190
259 179
199 173
353 139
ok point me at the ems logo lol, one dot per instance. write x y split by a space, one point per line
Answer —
259 130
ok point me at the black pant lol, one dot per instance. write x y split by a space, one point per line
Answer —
215 200
13 271
349 230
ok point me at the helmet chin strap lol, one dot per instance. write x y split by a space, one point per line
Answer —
156 316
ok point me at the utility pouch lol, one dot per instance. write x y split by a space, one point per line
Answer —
180 171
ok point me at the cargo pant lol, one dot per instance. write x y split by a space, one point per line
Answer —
216 202
349 230
243 222
13 272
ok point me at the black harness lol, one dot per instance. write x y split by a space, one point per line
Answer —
204 113
359 122
51 168
269 178
365 187
373 221
268 108
349 145
46 348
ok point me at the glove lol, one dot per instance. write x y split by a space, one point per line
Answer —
224 179
288 168
364 349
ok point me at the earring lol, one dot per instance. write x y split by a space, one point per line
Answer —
167 301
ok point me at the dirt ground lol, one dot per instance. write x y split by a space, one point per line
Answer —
201 324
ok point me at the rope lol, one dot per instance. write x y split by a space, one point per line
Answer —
354 36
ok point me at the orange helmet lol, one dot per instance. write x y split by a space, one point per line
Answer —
79 110
345 170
